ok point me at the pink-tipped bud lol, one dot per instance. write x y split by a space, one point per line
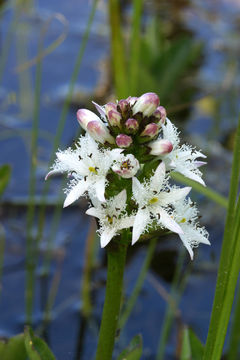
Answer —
146 104
160 114
123 106
99 132
109 107
160 147
84 116
150 130
114 118
123 141
131 126
131 100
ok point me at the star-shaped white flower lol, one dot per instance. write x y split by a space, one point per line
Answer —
112 216
186 215
87 165
153 199
182 159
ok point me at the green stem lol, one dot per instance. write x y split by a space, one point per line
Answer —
234 343
227 267
116 252
118 50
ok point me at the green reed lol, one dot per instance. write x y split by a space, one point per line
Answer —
229 265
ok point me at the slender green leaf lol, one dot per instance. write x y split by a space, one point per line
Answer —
192 348
5 172
234 343
13 348
135 45
197 347
118 50
228 267
186 353
36 348
208 192
133 351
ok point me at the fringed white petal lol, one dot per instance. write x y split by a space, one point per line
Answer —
158 177
100 189
75 193
168 222
140 224
107 236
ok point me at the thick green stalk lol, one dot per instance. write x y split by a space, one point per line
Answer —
228 269
116 252
118 50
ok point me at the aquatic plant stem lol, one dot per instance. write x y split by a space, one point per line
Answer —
228 266
116 254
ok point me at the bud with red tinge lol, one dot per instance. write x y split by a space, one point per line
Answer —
146 104
160 147
99 132
150 130
84 116
160 114
131 126
123 141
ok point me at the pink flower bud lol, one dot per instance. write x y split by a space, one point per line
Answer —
84 116
131 100
146 104
99 132
160 114
126 166
131 126
114 118
109 107
123 106
150 130
160 147
123 141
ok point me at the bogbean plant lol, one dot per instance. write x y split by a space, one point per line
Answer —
122 165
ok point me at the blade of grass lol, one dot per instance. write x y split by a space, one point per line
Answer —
30 244
234 343
228 269
139 283
206 191
2 248
135 46
118 50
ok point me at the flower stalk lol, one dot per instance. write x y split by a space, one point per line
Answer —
116 255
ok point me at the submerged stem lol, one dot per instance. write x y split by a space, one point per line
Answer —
116 253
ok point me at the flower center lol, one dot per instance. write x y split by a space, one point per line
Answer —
153 200
125 165
110 219
183 220
93 169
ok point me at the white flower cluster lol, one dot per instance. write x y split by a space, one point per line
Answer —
122 164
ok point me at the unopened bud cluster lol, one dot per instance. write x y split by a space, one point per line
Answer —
122 164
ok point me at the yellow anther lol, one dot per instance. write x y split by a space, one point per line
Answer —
110 219
93 170
183 220
153 200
